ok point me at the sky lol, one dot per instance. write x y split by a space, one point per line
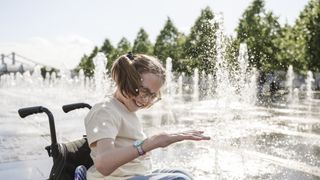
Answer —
59 32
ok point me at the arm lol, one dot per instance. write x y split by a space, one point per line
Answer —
110 158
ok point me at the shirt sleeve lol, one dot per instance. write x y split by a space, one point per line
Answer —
101 122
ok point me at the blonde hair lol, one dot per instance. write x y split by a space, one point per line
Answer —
126 71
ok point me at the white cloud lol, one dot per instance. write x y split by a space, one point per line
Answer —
61 52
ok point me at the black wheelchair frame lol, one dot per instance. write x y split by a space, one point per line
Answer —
66 156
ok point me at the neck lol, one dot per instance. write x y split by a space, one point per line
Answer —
119 97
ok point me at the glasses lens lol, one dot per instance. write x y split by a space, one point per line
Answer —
146 94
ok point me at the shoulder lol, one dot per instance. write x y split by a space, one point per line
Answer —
103 110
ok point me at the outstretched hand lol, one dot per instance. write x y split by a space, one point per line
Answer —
165 139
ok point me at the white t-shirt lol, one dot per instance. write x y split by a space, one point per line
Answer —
111 119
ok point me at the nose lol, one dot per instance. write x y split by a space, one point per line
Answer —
146 99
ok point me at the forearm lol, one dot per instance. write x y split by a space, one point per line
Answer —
109 161
149 144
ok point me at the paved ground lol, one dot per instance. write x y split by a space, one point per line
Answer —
26 170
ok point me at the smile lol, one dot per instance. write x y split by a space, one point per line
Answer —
137 104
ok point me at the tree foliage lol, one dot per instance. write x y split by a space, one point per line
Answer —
142 43
123 47
259 30
307 36
168 44
110 52
270 46
287 44
86 63
201 42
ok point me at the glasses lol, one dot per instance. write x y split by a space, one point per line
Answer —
145 94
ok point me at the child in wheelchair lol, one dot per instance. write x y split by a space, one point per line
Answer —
115 146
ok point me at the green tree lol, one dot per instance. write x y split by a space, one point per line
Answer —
200 46
180 65
167 44
123 47
287 45
231 53
307 36
260 30
86 63
108 49
142 43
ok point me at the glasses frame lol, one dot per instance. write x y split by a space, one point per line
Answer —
149 95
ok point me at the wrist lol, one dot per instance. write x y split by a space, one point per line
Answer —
148 145
138 145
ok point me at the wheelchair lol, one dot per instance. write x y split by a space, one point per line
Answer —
71 159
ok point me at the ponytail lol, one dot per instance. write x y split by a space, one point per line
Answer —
126 76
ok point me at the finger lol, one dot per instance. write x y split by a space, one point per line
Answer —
192 132
197 131
203 136
194 137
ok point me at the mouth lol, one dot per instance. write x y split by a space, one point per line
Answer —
138 104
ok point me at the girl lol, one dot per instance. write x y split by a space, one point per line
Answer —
119 148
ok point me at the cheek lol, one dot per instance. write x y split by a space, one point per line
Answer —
133 100
131 104
130 100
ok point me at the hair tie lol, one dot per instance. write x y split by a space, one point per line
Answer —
130 56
